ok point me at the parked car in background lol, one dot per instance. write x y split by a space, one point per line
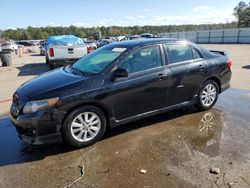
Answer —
146 35
117 84
25 43
91 43
133 37
63 50
36 42
42 47
9 46
149 35
104 42
122 38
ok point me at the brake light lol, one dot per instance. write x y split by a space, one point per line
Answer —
51 52
229 63
89 49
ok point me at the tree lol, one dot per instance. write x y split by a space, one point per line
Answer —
245 18
44 32
242 13
239 8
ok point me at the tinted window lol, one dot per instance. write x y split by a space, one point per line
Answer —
142 59
178 53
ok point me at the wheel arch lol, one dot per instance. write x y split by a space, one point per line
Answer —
95 104
214 78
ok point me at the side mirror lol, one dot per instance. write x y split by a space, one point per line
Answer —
120 73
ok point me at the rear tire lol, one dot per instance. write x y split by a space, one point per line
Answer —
47 60
84 126
208 95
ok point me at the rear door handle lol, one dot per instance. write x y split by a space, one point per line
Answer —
202 67
162 76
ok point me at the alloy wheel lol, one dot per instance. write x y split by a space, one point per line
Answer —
208 95
85 126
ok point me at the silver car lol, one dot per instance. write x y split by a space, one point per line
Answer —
91 43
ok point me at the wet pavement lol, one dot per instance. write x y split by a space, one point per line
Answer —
177 149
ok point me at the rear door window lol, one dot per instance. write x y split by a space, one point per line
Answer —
178 53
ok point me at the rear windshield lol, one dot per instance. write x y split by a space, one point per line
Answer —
96 61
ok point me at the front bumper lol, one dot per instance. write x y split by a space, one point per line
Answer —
41 140
42 127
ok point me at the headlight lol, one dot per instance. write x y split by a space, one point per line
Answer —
34 106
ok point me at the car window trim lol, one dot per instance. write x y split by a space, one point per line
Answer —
143 71
182 62
193 48
145 46
139 75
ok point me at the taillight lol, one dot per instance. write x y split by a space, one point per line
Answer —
89 49
229 63
51 52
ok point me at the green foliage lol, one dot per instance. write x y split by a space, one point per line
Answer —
245 19
44 32
242 13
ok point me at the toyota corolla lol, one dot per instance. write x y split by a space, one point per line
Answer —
117 84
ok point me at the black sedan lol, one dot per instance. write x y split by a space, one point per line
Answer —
116 84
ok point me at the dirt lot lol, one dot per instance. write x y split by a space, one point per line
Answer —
177 149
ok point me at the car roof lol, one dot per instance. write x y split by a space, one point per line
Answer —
141 42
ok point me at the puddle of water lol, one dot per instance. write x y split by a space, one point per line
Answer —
200 131
178 142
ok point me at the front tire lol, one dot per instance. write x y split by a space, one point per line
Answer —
208 95
84 126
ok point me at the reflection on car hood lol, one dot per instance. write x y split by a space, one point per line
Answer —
48 83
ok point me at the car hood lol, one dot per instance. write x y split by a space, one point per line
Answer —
50 84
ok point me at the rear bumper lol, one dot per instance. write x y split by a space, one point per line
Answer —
225 86
225 80
39 128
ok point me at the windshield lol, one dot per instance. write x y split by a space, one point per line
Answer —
97 60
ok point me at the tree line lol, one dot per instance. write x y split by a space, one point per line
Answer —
241 12
44 32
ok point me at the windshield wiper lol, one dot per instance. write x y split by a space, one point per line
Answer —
75 70
81 72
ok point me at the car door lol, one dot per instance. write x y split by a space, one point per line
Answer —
145 88
187 71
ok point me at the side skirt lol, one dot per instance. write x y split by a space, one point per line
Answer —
115 123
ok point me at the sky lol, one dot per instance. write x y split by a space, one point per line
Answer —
88 13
